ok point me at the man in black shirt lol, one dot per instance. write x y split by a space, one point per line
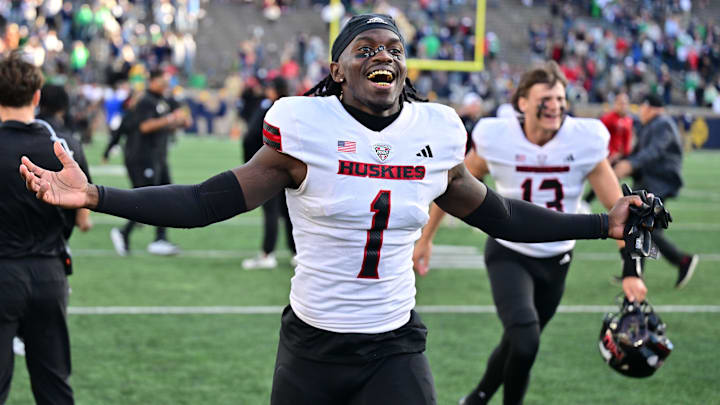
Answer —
275 207
33 254
150 124
656 164
54 104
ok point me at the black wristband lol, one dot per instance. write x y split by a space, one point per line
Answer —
604 226
101 198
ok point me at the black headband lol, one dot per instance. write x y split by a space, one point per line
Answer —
358 24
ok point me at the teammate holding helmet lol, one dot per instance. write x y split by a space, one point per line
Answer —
543 158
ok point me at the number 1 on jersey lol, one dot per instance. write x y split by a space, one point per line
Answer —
371 257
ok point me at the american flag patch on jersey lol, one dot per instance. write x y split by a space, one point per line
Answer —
347 146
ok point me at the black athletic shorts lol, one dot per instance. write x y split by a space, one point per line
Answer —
318 367
525 289
148 173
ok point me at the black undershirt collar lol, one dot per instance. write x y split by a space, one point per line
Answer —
372 122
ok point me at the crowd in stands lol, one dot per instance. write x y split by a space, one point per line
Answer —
97 47
434 29
603 46
666 46
100 40
100 48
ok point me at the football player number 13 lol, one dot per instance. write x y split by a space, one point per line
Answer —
547 184
371 256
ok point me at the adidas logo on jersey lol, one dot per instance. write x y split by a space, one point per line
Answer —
570 158
425 152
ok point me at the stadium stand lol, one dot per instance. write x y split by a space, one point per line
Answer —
104 47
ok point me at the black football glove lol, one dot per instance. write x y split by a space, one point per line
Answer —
642 221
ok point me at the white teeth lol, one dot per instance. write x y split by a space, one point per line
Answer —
387 73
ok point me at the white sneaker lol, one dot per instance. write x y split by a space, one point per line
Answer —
163 248
584 207
262 261
18 346
119 242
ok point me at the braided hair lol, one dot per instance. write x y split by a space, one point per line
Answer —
329 87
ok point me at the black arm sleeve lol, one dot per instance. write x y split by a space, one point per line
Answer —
177 206
631 267
520 221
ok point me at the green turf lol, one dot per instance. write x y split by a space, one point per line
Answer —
228 359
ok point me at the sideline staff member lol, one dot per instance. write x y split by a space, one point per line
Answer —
276 207
156 118
656 164
33 283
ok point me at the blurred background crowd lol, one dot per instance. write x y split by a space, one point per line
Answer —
219 54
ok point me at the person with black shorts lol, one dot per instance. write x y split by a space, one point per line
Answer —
148 126
34 259
543 158
358 189
276 207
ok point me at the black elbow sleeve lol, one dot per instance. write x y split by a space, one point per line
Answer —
520 221
221 197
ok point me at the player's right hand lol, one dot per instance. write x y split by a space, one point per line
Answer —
634 289
421 256
67 188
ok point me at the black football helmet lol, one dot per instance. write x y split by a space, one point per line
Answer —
632 341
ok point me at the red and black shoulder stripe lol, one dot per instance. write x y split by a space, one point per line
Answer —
271 136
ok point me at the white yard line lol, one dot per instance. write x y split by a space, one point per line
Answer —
698 193
108 170
428 309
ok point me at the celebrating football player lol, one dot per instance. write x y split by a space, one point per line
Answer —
360 162
542 158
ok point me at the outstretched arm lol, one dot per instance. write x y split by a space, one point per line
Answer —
183 206
520 221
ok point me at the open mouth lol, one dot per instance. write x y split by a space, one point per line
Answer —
551 116
382 77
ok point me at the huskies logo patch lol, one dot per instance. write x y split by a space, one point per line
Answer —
382 151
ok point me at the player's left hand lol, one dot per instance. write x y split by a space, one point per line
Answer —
421 257
634 289
82 220
618 215
623 168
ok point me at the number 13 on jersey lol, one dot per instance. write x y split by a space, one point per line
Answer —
547 184
371 256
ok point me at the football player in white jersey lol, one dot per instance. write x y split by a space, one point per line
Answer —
544 158
360 163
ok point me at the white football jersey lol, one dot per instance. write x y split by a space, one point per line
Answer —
359 211
550 176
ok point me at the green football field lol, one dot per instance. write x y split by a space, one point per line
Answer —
198 329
